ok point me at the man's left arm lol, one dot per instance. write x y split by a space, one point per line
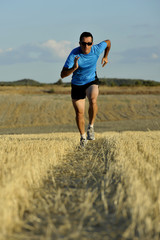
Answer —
106 51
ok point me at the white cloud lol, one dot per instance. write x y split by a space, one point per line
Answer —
155 56
49 51
61 49
139 55
9 49
6 50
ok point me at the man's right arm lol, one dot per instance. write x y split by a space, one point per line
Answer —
68 71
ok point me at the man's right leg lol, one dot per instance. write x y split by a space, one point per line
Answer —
79 106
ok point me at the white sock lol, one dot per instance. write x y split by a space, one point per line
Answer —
90 125
83 136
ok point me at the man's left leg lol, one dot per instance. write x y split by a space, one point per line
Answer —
92 94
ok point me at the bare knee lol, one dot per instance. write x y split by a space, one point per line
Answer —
93 101
79 114
79 107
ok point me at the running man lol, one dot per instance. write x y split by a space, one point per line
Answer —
81 63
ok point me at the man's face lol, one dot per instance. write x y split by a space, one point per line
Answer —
86 45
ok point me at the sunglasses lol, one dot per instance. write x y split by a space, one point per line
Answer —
85 43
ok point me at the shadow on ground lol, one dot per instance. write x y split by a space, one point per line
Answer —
118 126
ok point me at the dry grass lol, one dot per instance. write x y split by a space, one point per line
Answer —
104 90
25 161
56 89
53 190
49 189
53 110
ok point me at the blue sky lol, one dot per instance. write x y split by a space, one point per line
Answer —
37 36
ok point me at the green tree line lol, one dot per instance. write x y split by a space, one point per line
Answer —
111 82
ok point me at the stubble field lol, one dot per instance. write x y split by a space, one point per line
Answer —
51 189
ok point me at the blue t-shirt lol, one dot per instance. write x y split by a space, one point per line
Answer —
86 71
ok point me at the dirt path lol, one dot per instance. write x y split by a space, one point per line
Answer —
71 204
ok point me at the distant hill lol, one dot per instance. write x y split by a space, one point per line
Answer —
22 82
103 81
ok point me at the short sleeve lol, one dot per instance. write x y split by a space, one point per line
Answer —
70 61
99 48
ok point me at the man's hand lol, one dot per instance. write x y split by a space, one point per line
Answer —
76 63
67 71
104 61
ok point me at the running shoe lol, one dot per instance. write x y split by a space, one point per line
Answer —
90 133
83 142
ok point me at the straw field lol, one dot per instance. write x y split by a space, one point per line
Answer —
40 112
51 189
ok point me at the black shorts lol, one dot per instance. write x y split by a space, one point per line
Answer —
79 92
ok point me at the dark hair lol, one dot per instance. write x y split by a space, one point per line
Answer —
85 34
